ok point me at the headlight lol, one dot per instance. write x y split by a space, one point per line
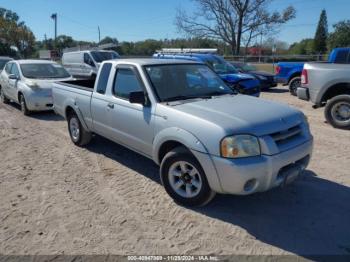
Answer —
240 146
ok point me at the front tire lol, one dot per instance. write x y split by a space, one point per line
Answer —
337 112
23 105
4 99
78 134
294 84
184 179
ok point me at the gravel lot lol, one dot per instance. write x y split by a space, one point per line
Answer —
56 198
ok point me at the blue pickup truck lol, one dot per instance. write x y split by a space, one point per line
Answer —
289 73
244 83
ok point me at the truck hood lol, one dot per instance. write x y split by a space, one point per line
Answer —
242 114
234 78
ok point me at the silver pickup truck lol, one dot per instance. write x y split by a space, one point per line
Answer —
328 84
206 138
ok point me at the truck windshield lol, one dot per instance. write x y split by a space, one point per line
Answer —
185 81
44 71
99 56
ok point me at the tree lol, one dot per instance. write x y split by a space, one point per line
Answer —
109 40
64 41
340 37
231 21
14 32
320 40
304 47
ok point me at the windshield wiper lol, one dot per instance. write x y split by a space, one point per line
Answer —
177 98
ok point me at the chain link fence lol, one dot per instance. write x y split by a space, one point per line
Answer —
277 58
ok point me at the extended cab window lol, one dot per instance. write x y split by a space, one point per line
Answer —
103 78
126 82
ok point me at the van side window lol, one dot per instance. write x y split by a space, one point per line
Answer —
103 78
8 68
126 82
88 60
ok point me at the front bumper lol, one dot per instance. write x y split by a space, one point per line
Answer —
259 174
303 93
39 102
266 84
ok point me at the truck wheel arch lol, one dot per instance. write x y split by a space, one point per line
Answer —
296 74
335 90
171 138
73 110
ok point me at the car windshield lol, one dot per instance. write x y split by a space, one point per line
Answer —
3 63
44 71
220 66
248 67
99 56
185 81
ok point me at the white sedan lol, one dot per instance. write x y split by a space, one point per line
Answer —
29 83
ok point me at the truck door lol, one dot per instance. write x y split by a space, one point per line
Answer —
99 102
131 124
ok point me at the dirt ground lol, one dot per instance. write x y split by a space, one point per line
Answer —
56 198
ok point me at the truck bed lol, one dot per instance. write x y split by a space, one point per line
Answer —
84 84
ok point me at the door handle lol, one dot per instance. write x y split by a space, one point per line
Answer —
111 105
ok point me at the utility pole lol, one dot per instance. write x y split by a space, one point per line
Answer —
99 35
261 43
54 17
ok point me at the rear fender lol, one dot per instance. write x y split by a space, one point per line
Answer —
70 102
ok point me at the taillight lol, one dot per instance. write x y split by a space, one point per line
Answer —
304 77
278 70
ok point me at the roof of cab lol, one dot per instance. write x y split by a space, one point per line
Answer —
152 61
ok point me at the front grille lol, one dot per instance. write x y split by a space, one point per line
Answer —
287 136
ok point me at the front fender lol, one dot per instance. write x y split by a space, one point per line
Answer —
195 146
178 135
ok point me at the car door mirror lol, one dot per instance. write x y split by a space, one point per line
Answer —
13 77
137 98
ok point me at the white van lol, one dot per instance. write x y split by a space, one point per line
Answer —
85 64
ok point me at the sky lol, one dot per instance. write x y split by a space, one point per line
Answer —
133 20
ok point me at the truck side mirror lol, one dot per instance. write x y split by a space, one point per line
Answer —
137 98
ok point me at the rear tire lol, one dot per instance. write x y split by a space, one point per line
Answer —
4 99
294 84
337 112
78 134
184 179
23 104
